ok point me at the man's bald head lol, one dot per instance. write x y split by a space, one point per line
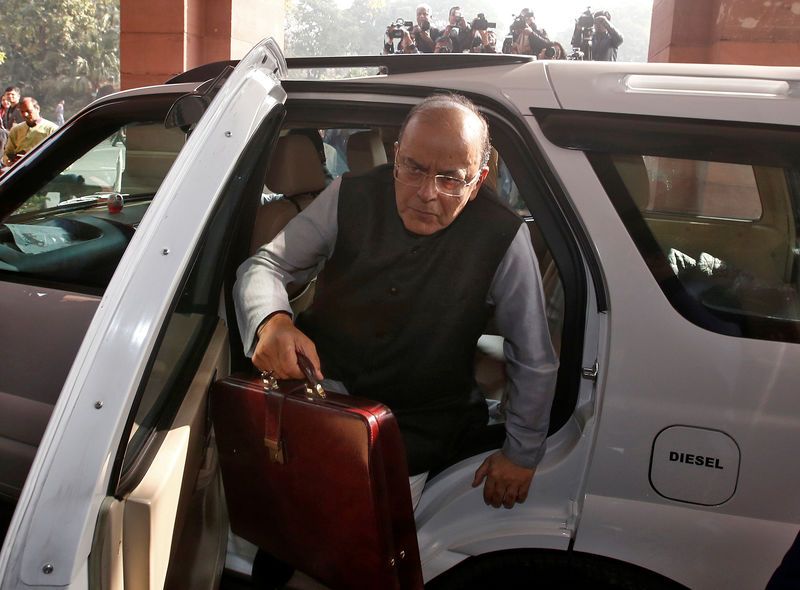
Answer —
449 102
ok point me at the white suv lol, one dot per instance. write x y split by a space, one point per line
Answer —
663 202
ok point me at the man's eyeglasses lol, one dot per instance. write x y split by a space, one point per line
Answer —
410 175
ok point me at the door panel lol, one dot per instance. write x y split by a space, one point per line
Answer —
180 491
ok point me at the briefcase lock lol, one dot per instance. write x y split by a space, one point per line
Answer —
314 390
269 381
275 450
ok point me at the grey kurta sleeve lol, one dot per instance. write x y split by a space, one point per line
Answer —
292 258
531 362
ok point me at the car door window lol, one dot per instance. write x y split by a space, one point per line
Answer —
725 231
701 188
711 206
75 228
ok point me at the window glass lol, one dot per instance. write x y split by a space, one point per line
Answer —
712 189
335 146
76 227
506 188
721 238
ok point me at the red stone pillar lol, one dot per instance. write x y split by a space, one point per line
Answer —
161 38
761 32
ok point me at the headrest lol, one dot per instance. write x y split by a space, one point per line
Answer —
365 151
295 168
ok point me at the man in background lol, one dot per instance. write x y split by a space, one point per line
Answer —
603 39
23 137
60 113
528 38
458 31
10 112
424 33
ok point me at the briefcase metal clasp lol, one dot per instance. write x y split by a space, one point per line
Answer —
276 452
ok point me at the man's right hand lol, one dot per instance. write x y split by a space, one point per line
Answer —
277 347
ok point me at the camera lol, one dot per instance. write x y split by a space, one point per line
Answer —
551 52
395 29
586 19
582 37
481 24
519 24
425 25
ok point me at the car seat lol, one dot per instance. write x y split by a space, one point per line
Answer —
365 151
297 173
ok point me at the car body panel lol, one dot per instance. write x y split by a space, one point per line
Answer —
666 371
752 94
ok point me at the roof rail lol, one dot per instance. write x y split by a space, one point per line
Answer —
406 63
394 64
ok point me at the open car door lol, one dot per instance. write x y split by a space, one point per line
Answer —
125 478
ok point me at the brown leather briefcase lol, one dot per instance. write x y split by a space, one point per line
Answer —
321 483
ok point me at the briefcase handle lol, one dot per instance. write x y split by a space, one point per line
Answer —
311 384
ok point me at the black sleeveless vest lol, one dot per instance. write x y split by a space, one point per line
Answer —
396 316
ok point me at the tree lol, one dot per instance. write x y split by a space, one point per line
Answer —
60 49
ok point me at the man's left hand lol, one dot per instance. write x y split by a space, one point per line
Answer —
506 482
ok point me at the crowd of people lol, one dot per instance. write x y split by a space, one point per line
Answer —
21 126
594 37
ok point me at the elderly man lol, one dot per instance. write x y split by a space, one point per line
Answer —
424 33
25 136
416 260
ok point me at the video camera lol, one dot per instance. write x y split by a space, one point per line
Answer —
481 24
582 37
394 33
586 19
395 29
518 24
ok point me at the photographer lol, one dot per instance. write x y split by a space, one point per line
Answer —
444 44
595 37
424 33
459 32
485 42
397 38
527 39
484 39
